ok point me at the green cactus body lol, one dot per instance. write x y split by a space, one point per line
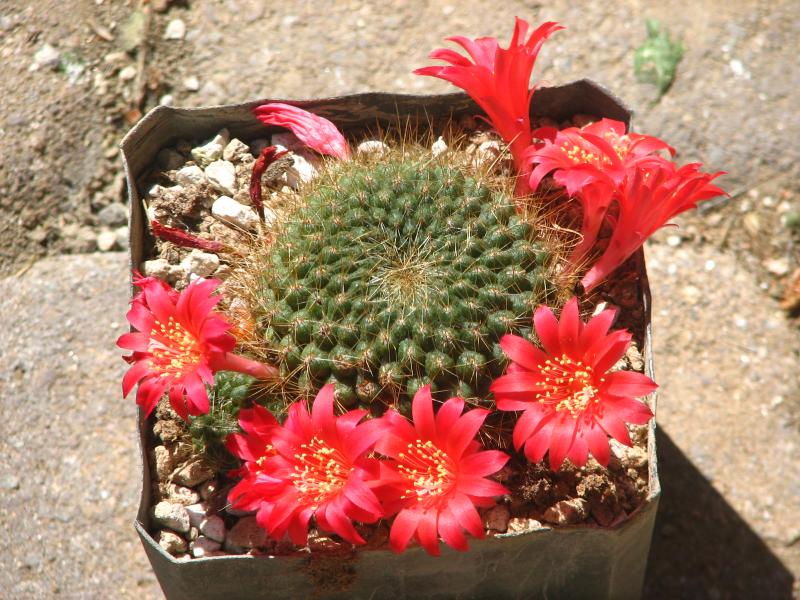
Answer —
392 275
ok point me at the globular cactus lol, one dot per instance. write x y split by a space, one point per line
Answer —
391 275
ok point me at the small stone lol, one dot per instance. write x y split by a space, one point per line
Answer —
287 141
191 83
158 267
634 457
208 488
236 150
231 212
171 542
777 266
213 527
497 518
244 535
567 512
162 456
194 532
211 151
169 160
197 513
127 73
200 263
635 358
302 171
191 175
674 241
203 546
488 153
167 100
177 275
372 148
192 473
122 235
178 494
176 30
114 214
46 57
173 516
160 6
522 525
439 147
9 482
183 557
106 241
222 176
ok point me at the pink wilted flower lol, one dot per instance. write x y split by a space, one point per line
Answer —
179 344
314 465
600 151
498 79
314 131
571 401
648 198
437 474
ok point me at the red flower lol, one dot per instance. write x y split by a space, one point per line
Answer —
498 79
437 474
570 400
179 345
648 197
314 131
600 151
314 465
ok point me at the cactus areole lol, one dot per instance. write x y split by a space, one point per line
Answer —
390 275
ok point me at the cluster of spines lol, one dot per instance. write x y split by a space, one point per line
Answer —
395 275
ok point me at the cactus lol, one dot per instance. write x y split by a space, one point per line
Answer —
394 274
208 432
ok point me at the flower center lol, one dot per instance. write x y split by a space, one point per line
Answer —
428 471
319 473
173 350
578 155
567 385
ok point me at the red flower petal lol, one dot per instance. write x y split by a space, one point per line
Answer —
628 383
422 413
403 528
426 533
451 532
314 131
522 352
546 326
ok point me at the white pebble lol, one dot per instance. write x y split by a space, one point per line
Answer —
211 151
222 176
172 515
203 546
158 267
213 527
46 56
674 241
128 73
197 513
301 171
191 83
176 30
372 148
191 175
231 212
203 264
439 147
106 240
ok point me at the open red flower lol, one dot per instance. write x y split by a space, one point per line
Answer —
600 151
498 79
437 474
316 132
648 198
314 465
571 402
179 344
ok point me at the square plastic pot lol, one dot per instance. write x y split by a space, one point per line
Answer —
583 561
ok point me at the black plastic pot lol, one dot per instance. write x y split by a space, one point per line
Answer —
562 562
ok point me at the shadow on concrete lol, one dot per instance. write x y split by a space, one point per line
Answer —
701 547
